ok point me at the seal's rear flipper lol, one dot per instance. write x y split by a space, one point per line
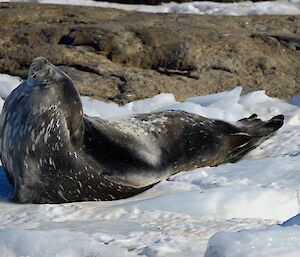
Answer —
255 127
253 132
275 123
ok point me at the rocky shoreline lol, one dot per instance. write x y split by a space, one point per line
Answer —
120 56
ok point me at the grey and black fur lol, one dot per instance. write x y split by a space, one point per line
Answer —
53 153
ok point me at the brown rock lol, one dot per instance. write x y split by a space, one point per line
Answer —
123 56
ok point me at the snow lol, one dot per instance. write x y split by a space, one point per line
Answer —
272 241
7 84
94 108
55 243
279 7
185 215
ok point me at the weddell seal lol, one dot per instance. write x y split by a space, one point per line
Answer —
53 153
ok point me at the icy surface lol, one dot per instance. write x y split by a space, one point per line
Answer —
7 84
272 241
292 221
279 7
178 216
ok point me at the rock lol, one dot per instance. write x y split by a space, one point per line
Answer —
122 56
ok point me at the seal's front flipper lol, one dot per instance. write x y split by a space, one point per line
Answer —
238 140
239 144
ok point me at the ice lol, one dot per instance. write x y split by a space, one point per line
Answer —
235 9
7 84
151 104
177 217
224 105
292 221
214 99
279 7
272 241
55 243
226 203
93 107
295 100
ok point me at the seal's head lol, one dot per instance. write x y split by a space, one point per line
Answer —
41 70
56 88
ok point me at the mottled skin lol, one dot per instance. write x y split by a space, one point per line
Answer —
52 153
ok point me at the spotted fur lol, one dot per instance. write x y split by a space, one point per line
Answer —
52 153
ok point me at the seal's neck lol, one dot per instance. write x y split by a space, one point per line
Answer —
72 109
59 90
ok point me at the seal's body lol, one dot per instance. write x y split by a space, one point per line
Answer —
53 153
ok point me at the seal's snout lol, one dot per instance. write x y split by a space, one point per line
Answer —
39 62
39 68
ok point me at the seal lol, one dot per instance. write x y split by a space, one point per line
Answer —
53 153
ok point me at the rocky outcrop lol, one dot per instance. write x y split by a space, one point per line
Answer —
121 56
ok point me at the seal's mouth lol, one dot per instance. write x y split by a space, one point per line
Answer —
40 69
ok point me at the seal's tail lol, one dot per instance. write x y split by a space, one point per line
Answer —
252 132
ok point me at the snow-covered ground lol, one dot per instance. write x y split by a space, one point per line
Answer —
177 217
279 7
